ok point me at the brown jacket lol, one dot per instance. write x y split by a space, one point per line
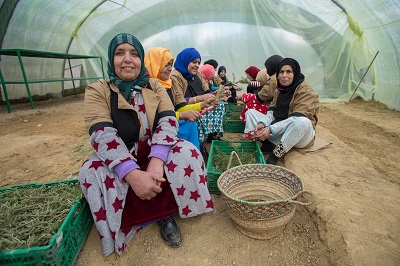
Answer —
266 94
97 102
179 86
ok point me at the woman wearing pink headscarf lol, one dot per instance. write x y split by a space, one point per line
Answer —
207 72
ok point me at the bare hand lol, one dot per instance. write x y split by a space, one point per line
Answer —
145 185
261 133
190 115
156 167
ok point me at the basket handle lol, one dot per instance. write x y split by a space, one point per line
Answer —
304 203
230 159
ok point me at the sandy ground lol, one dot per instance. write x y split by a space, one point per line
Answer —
355 219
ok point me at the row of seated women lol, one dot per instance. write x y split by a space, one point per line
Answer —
147 166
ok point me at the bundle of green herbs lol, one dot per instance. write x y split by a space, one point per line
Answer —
31 215
221 160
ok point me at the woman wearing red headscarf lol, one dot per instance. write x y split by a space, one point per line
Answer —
251 73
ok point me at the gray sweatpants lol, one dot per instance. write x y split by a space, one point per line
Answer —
292 132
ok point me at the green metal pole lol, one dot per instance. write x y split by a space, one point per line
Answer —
72 76
25 79
5 92
101 65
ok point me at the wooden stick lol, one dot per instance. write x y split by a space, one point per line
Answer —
362 78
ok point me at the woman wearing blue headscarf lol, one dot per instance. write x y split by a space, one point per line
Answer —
190 87
139 171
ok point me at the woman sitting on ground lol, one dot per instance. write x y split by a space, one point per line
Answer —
292 116
139 172
159 62
190 87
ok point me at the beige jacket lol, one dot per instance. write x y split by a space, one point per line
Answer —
266 94
179 86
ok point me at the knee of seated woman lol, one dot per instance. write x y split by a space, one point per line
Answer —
302 120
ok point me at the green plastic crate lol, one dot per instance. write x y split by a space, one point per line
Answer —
232 116
231 120
233 107
64 246
235 126
226 147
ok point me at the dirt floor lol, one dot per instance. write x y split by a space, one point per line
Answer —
355 219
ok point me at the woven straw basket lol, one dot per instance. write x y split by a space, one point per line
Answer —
261 199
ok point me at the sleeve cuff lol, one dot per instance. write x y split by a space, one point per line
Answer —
159 151
270 129
124 168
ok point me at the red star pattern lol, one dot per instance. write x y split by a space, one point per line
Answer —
126 159
112 145
100 129
158 130
117 204
148 132
142 108
186 211
112 234
188 171
122 248
195 154
171 166
100 215
181 191
203 179
172 122
108 161
109 182
176 149
96 165
168 139
202 166
87 185
210 204
95 146
194 195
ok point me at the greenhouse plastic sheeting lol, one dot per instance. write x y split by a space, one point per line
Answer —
334 41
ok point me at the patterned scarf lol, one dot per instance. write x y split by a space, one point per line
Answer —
155 60
141 80
183 59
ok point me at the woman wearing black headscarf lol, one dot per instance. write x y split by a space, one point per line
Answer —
292 116
222 79
139 171
266 94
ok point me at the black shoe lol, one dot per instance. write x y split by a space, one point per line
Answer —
267 147
210 138
272 159
170 232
